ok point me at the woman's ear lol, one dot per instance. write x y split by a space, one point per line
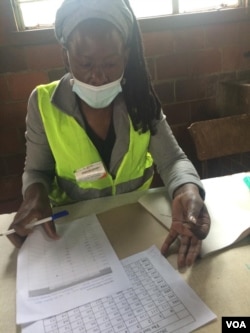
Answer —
65 59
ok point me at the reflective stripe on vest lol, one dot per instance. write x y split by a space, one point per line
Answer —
72 150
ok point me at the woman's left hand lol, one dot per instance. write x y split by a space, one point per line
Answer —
190 221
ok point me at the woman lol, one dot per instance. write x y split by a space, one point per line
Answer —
99 129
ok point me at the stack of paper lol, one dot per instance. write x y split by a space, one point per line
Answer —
77 284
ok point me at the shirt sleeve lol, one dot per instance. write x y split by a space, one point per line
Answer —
172 163
39 163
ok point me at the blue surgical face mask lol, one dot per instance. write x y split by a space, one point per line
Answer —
97 96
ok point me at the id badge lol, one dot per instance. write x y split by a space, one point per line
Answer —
91 172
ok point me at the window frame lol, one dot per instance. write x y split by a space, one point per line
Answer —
151 24
175 6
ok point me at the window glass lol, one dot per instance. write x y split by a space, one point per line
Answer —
41 13
198 5
146 8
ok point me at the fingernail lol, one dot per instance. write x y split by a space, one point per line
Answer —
192 219
182 269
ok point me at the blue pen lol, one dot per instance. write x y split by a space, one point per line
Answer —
35 223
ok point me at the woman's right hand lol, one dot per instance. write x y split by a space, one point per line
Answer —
35 206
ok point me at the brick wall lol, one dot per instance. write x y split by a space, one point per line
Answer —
186 64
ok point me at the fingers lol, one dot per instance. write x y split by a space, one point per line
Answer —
188 206
188 252
194 251
168 241
191 222
181 261
202 227
189 248
16 240
200 231
50 230
21 231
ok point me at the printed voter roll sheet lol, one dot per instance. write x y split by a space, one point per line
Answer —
159 300
56 276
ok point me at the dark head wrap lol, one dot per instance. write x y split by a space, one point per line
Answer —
72 12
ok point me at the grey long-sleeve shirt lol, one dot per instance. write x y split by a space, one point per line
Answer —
173 166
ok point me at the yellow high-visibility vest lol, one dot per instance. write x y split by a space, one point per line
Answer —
73 150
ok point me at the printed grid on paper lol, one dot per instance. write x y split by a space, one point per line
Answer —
150 306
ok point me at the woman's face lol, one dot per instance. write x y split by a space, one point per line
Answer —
96 53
